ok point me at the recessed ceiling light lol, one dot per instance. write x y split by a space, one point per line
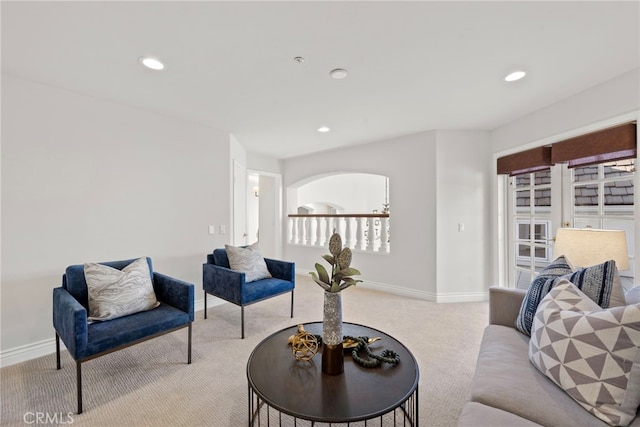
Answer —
151 62
323 129
338 73
516 75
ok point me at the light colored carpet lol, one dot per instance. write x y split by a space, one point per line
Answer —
150 384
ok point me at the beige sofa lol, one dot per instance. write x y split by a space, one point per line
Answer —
507 390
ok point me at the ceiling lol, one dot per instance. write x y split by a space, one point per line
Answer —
412 66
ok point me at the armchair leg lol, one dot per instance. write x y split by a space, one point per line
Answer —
79 384
57 351
242 319
189 345
205 304
292 303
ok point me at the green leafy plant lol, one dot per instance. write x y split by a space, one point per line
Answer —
341 270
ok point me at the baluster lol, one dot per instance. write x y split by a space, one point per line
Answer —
371 235
348 239
384 235
305 232
296 230
329 230
290 230
338 226
313 225
360 233
319 242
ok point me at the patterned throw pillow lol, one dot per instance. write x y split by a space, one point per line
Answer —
539 287
591 353
633 296
249 261
599 282
115 293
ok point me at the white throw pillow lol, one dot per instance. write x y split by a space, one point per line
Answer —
115 293
633 296
593 354
249 261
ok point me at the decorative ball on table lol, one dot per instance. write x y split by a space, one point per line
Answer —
304 345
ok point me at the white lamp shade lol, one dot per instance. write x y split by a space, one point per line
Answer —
587 247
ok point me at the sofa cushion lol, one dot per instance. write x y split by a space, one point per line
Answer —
505 378
249 261
476 414
538 288
115 293
591 353
265 288
105 336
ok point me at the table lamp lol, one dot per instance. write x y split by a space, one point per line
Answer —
585 247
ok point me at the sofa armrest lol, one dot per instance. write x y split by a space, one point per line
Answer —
70 322
174 292
504 305
223 282
281 269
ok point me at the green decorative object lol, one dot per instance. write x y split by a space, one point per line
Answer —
341 270
374 360
340 279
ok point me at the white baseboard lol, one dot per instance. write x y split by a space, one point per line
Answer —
423 295
28 352
48 346
463 297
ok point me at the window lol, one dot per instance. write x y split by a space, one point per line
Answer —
541 230
532 213
603 197
581 182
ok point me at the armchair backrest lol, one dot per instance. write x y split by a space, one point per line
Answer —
74 282
219 258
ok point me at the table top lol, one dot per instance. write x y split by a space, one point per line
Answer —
300 389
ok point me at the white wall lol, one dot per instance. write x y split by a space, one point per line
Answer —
436 179
411 264
464 230
89 180
263 163
353 192
581 113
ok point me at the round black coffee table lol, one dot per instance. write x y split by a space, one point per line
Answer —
283 390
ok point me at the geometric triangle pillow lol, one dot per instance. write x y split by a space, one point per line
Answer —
593 354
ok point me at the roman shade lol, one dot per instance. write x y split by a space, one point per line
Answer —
615 143
606 145
528 161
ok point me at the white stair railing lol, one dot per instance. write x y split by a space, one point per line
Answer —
370 234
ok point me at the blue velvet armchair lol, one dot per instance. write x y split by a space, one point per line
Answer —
219 280
86 341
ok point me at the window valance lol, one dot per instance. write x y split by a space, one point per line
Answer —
606 145
528 161
616 143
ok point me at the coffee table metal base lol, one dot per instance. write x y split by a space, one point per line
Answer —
282 391
261 414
